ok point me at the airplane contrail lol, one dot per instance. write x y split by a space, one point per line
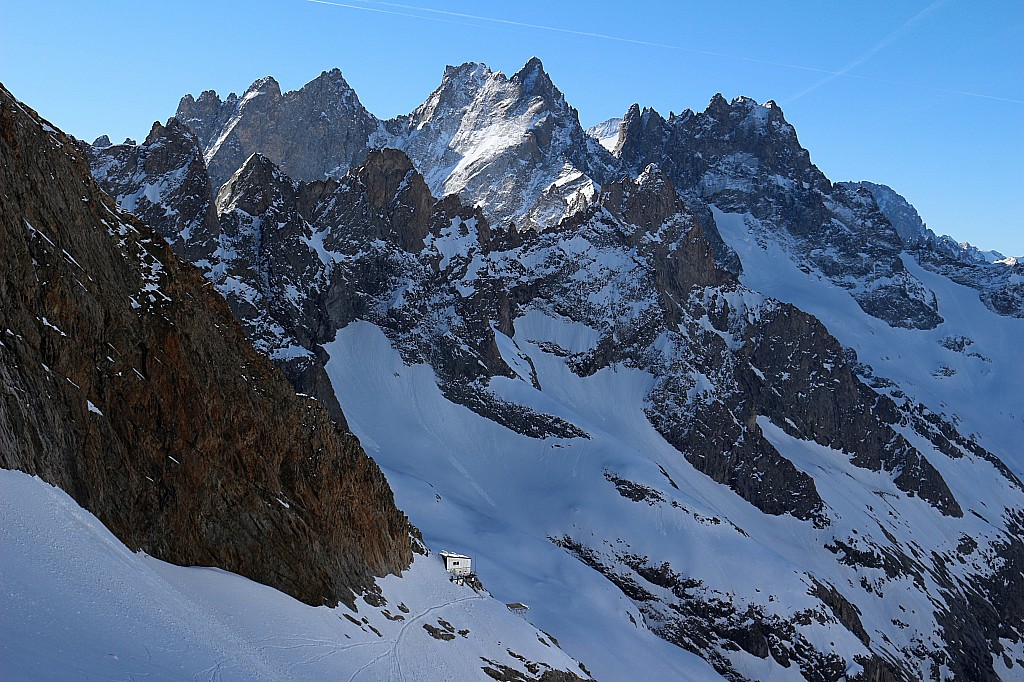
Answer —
871 52
449 17
555 29
460 15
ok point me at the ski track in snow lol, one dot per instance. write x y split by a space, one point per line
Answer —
78 604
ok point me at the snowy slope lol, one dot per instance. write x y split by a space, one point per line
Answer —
77 604
969 367
498 495
505 499
606 132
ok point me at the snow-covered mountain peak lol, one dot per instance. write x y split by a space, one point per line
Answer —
473 85
163 181
476 131
534 81
533 66
606 133
730 144
459 88
914 232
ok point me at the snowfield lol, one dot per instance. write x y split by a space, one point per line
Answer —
968 369
505 499
481 489
77 604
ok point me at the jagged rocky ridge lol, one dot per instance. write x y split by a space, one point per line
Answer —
128 383
479 129
322 130
318 131
740 383
998 279
744 157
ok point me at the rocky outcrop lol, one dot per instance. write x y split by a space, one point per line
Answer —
164 182
727 136
318 131
799 377
743 157
127 382
668 234
385 198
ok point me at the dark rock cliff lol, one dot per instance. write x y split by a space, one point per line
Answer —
743 157
127 382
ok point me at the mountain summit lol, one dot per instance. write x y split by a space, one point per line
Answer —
317 131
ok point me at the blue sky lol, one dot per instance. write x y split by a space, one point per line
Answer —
927 97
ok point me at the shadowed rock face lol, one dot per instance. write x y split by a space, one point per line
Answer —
128 383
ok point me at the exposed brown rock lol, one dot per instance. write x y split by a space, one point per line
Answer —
127 382
670 235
